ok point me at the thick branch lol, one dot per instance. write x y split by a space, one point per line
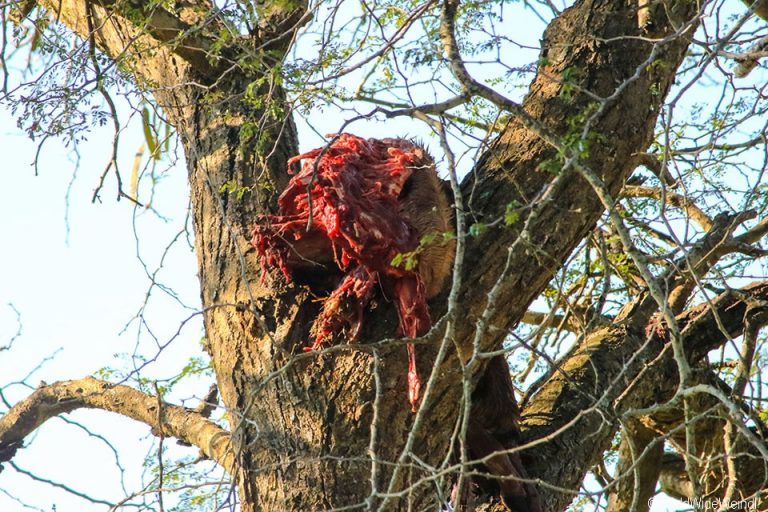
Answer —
147 49
721 442
616 78
698 261
615 369
637 469
677 200
186 32
90 393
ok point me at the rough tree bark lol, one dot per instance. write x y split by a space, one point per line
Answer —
301 427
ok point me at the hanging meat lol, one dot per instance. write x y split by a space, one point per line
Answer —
375 210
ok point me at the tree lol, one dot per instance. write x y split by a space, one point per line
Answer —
593 166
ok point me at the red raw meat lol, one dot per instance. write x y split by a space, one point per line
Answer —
352 187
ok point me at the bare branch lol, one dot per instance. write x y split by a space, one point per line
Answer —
677 200
61 486
66 396
16 335
652 163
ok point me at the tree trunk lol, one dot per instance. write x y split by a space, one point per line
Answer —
299 425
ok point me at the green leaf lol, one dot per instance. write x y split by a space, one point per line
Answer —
477 229
427 239
167 142
148 135
511 214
